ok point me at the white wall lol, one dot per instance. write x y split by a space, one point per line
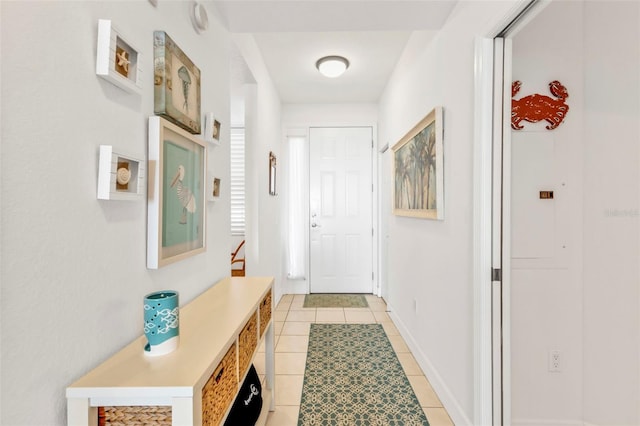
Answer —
584 301
546 239
264 245
590 308
611 211
430 261
309 115
74 268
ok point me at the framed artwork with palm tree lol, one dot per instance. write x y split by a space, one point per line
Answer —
418 170
176 193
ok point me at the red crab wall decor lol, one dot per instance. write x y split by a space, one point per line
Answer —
534 108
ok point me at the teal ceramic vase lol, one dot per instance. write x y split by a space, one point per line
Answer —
161 322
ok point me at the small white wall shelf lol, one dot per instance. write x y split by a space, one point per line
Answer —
117 60
120 177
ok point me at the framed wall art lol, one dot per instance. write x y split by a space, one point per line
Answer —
120 177
216 187
176 194
176 84
213 188
117 60
272 174
418 170
211 129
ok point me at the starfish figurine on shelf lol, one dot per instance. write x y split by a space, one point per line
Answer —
123 60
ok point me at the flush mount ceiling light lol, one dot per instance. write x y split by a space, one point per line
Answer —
332 66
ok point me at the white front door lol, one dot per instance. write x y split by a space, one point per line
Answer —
341 208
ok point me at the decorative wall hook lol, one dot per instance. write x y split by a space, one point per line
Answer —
534 108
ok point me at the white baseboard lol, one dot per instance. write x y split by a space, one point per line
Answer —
449 402
295 286
548 422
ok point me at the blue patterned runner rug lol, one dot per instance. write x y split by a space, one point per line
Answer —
353 378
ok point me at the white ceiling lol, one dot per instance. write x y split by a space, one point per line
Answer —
293 34
291 57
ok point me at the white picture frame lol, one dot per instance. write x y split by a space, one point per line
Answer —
212 128
117 60
176 207
214 186
120 176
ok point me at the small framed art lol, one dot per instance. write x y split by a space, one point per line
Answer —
216 187
120 177
176 84
418 170
176 194
272 174
117 60
211 129
213 188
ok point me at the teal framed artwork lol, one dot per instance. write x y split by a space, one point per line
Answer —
176 194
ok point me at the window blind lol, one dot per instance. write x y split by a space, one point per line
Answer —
237 181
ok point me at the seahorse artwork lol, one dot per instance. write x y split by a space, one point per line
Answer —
534 108
183 73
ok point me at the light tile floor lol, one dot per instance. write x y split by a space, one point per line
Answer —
292 324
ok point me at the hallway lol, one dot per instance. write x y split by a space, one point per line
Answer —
292 323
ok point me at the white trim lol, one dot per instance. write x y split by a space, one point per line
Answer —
483 211
449 402
548 422
506 233
381 279
376 215
109 401
530 14
298 129
482 232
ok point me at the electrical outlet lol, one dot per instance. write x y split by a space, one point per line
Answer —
555 361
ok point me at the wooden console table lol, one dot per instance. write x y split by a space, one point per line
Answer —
220 332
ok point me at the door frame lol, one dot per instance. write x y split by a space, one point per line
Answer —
304 130
491 217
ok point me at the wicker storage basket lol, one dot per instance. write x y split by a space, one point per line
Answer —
135 416
265 312
247 343
220 390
